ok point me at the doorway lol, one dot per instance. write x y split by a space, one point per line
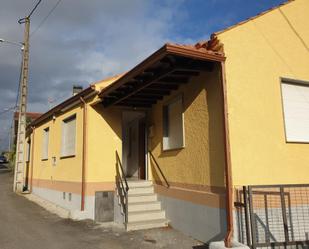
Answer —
134 144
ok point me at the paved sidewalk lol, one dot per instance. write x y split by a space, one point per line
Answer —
25 225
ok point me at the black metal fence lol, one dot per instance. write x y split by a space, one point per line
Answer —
274 216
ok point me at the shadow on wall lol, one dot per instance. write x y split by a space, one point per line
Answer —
201 247
204 132
160 178
214 146
216 130
112 117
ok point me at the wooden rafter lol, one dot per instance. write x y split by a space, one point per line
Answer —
156 81
162 73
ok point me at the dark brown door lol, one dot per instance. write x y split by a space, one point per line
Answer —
27 176
141 150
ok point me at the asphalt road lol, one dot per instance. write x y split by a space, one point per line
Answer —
25 225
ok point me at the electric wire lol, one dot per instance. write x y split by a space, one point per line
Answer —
19 82
45 18
7 110
17 97
34 8
22 20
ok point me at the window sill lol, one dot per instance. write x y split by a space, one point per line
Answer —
296 142
173 149
44 159
68 156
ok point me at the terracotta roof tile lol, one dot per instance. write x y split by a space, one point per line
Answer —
212 46
32 115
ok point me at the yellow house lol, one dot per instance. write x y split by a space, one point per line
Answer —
194 136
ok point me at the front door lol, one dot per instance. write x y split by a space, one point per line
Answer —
141 150
133 145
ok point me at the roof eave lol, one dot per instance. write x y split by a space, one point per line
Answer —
59 107
168 48
187 52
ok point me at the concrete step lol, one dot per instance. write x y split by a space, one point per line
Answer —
138 198
141 190
146 215
131 226
144 206
133 184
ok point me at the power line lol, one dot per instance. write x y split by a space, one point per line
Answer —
45 18
34 8
19 81
22 20
7 110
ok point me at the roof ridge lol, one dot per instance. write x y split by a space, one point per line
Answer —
213 45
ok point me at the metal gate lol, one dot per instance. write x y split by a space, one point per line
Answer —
276 216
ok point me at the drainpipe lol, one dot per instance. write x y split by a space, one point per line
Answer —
228 170
32 155
82 206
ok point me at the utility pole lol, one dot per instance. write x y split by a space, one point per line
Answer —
21 133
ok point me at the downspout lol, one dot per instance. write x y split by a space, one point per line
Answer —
228 169
82 206
32 155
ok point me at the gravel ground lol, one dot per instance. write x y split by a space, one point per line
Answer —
25 225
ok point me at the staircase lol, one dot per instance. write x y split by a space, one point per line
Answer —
144 210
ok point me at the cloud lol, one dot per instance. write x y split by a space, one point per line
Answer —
81 42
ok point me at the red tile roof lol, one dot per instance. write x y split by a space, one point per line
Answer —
212 46
32 115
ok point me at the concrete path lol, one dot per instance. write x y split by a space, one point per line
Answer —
25 225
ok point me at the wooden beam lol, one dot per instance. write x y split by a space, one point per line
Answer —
145 97
157 86
133 105
155 91
157 76
175 79
194 65
150 96
184 72
140 102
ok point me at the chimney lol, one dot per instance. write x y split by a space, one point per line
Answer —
77 89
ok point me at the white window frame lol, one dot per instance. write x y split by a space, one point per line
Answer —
64 152
166 124
288 119
45 143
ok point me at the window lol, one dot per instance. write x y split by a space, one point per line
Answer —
295 99
45 144
173 125
68 137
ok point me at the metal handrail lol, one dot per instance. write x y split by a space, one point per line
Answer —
120 178
123 177
156 163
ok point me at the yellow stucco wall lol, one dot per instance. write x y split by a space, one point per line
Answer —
259 52
66 169
201 162
104 139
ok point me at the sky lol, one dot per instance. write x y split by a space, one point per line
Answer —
85 41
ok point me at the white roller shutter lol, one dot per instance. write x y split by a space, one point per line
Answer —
296 111
68 137
45 144
173 129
